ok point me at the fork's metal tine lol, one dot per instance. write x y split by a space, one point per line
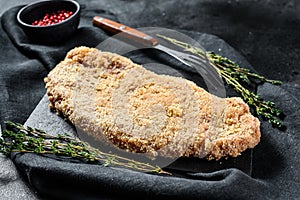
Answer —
207 72
206 65
197 58
200 63
175 54
202 70
202 66
193 62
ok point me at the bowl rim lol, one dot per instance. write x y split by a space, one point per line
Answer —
41 2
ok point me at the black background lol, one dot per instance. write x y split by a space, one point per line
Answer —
265 32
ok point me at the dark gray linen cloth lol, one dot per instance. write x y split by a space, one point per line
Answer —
270 42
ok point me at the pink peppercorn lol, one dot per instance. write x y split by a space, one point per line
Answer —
53 18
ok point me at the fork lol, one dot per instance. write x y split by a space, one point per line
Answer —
202 65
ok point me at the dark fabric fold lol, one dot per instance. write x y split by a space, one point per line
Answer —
271 171
65 180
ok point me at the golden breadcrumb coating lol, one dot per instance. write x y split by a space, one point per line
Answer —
109 96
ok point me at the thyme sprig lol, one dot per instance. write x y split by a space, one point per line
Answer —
17 138
236 76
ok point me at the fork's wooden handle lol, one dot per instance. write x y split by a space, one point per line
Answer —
128 32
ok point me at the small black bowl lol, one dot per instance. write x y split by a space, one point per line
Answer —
51 34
